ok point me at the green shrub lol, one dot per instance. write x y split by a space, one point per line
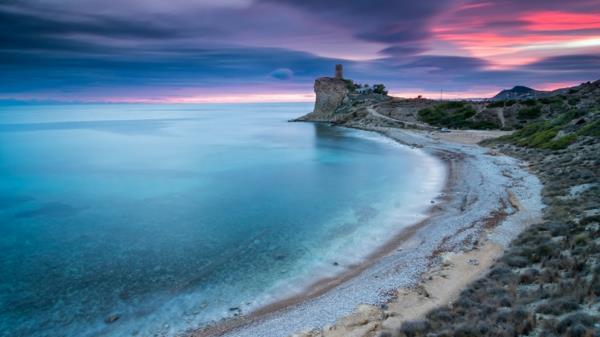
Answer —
529 130
430 116
481 125
529 113
552 100
496 104
452 105
379 89
558 306
562 142
574 100
529 102
455 114
556 106
592 129
541 138
350 85
566 117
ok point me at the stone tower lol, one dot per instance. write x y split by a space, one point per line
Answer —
339 71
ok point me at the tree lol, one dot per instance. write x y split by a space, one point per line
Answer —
379 89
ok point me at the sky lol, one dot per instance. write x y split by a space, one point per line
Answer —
266 50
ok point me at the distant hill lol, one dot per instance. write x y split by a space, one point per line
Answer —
343 102
519 92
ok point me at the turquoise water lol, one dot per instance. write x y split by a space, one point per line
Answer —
173 216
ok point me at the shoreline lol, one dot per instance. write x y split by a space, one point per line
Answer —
454 156
323 285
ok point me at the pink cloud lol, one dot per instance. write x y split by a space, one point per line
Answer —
561 21
507 39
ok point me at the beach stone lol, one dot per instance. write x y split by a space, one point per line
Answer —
358 323
111 318
308 333
355 331
473 262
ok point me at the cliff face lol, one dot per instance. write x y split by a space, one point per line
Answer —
330 95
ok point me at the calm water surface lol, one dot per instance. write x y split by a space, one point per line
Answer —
172 216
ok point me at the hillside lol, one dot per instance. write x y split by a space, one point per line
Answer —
519 92
361 109
547 283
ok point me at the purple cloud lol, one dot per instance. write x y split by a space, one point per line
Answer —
183 46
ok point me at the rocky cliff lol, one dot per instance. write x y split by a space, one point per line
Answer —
330 93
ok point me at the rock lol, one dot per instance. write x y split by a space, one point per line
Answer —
473 262
363 322
111 318
330 94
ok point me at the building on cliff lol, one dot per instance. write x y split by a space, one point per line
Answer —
330 94
339 71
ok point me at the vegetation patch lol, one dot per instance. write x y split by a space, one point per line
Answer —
547 284
530 112
454 114
543 134
592 129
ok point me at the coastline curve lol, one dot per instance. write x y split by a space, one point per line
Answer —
476 204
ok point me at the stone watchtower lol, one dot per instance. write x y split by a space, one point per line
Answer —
339 71
330 94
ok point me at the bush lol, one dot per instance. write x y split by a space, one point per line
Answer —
379 89
591 129
467 330
440 315
561 143
350 85
516 261
496 104
529 113
541 138
529 276
414 328
453 105
454 114
552 100
480 125
575 319
557 306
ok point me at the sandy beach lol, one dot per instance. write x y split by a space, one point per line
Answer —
486 201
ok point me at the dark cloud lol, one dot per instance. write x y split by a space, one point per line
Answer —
578 63
76 47
402 50
282 74
446 63
179 67
43 24
377 20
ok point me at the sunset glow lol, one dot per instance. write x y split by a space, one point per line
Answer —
562 21
266 51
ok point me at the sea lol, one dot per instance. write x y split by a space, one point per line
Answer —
154 219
